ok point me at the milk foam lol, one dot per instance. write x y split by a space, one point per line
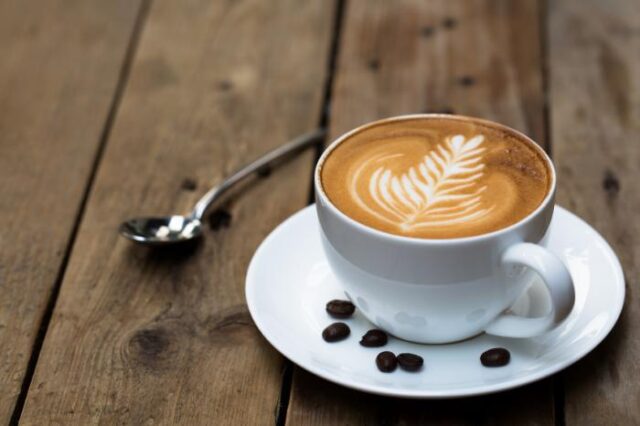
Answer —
435 177
441 190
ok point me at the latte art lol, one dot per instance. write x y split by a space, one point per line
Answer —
435 177
442 189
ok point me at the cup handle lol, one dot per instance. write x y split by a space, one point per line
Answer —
559 284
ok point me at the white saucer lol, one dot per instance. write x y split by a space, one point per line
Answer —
289 283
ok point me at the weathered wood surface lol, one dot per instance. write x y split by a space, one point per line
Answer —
480 58
61 61
595 105
141 337
165 337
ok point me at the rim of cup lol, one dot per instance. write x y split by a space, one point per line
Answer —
444 241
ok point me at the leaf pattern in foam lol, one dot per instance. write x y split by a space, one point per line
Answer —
442 189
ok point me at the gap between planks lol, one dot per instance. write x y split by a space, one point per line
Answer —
332 59
323 123
557 379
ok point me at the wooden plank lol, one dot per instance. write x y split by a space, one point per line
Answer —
480 58
61 60
316 401
595 104
141 336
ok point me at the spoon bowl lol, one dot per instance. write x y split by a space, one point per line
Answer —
159 231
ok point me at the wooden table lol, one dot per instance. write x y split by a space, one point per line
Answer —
116 108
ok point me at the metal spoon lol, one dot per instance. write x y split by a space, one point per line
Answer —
176 229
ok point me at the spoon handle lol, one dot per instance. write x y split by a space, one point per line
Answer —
217 191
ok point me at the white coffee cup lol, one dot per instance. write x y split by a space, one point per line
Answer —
445 290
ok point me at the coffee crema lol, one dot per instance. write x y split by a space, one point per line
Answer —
436 177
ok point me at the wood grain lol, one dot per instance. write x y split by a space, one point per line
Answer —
595 105
480 58
141 336
61 60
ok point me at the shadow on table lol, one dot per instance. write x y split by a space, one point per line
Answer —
334 404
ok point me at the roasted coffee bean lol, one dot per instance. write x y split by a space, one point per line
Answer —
386 361
340 308
374 338
336 332
496 357
467 81
449 23
410 362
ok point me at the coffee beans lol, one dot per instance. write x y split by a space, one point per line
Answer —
374 338
496 357
340 308
386 362
410 362
336 332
